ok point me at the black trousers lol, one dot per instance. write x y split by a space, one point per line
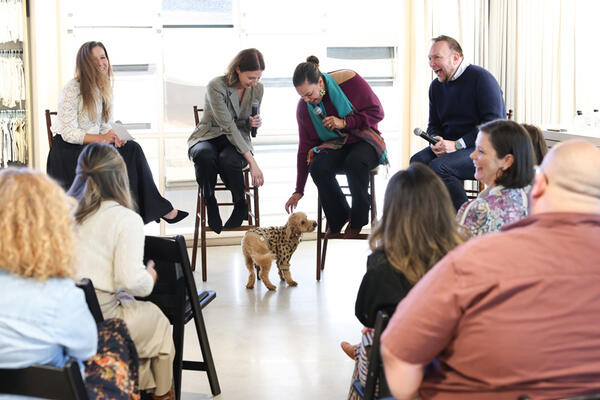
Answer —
355 161
219 156
453 168
62 162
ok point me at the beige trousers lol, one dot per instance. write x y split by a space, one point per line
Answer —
151 332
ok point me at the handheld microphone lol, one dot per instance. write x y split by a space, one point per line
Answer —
419 132
317 110
254 112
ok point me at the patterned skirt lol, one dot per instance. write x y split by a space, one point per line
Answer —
112 373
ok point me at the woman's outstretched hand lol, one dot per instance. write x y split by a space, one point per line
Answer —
292 202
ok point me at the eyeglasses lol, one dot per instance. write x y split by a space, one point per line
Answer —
539 170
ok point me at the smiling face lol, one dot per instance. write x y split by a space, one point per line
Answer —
248 79
99 57
488 167
443 61
311 92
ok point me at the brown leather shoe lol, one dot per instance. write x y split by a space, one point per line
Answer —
170 395
349 349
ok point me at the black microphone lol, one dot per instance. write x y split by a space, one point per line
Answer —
419 132
317 110
254 112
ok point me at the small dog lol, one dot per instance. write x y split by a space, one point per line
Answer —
261 246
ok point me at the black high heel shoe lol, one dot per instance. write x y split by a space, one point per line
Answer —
180 215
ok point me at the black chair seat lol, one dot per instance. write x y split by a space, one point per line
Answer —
45 381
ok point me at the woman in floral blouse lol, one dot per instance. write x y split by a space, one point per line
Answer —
503 160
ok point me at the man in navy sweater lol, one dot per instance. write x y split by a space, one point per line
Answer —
462 97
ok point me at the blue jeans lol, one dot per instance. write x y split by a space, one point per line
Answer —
453 168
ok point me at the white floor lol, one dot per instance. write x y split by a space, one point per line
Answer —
282 344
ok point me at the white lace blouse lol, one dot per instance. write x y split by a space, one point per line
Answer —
72 122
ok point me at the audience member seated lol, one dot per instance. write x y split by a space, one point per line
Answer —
221 142
513 313
462 97
110 253
406 243
44 318
540 148
344 138
83 116
503 160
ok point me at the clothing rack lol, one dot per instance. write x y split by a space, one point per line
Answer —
11 52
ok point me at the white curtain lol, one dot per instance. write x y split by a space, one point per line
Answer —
464 20
544 54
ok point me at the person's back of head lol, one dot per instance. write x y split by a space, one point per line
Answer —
568 179
101 175
540 148
36 226
418 226
307 71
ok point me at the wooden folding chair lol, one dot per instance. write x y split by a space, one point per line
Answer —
176 295
201 222
45 381
49 125
322 239
375 372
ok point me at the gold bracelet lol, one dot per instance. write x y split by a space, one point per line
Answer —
345 123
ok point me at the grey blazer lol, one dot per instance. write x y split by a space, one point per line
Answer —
225 115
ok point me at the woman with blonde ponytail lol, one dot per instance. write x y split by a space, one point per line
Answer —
84 116
111 250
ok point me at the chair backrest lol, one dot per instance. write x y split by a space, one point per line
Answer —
49 125
375 372
171 260
197 112
509 114
45 381
91 299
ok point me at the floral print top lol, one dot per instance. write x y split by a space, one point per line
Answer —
493 208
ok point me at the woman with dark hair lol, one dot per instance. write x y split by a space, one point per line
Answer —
337 122
221 142
405 244
111 250
540 148
503 160
84 116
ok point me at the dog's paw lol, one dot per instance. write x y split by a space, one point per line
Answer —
272 287
249 286
292 283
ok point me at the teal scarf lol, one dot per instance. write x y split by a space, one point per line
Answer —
333 140
340 102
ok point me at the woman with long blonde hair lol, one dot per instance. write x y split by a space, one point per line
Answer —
110 253
417 228
44 318
84 116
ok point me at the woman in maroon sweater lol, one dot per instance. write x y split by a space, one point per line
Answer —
342 139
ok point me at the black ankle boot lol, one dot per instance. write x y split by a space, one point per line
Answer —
212 211
238 215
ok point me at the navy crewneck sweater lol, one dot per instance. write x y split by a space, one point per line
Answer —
457 108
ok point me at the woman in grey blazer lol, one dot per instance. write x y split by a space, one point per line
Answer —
221 141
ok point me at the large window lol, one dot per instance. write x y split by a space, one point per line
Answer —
164 54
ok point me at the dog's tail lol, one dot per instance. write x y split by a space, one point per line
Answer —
264 258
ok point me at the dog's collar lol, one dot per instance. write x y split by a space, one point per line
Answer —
298 236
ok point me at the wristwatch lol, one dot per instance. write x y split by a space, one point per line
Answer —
460 144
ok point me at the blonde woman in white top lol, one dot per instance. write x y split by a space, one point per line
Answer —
83 116
110 253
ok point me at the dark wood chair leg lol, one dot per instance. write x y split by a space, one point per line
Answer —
324 251
196 226
178 335
203 238
319 236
